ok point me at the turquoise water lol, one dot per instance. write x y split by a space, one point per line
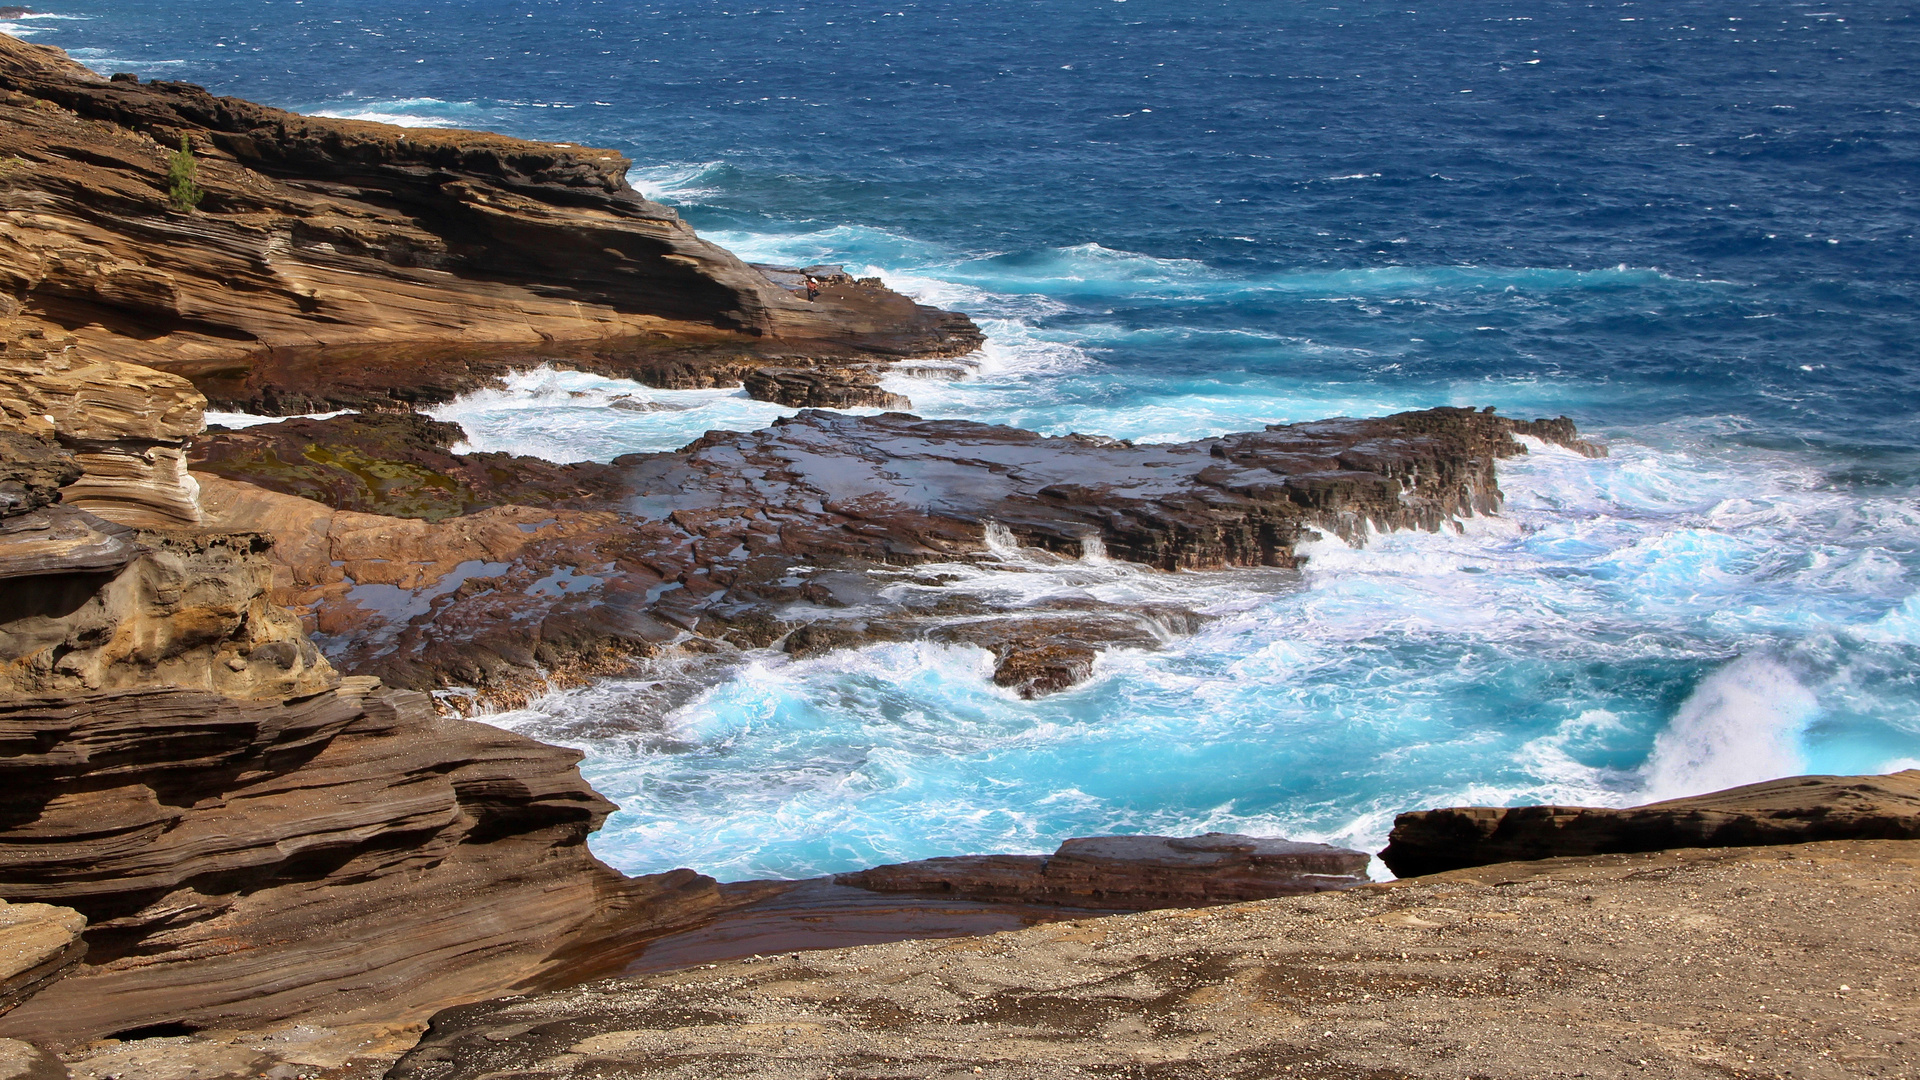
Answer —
1689 227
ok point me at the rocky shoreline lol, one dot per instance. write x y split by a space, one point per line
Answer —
242 838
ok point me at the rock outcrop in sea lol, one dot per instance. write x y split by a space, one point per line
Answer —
725 539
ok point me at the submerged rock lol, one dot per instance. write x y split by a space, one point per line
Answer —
1793 810
1131 872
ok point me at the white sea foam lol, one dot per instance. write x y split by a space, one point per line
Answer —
246 420
568 416
674 182
1318 704
1741 725
421 112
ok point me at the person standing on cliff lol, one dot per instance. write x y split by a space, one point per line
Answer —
813 288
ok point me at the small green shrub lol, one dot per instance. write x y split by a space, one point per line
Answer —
182 190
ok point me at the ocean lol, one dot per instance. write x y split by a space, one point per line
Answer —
1688 225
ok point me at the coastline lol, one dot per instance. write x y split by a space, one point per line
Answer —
208 571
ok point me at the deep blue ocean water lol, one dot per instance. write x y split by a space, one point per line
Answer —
1689 225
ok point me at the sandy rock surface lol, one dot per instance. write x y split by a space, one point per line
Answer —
1747 962
38 944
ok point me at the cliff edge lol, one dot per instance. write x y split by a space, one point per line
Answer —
317 232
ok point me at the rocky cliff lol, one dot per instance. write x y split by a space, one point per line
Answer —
318 233
249 837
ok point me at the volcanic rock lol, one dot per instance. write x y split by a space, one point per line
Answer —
722 538
22 1060
59 540
33 469
250 837
1793 810
331 857
319 232
1131 872
397 464
87 607
811 389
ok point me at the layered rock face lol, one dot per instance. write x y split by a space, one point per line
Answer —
344 857
38 944
128 427
1132 873
317 232
249 837
1793 810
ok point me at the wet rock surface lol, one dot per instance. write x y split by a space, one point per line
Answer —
1132 873
397 464
1692 964
1793 810
783 536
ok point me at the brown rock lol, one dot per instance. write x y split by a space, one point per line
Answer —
127 427
1793 810
33 469
38 944
59 540
1132 872
708 539
25 1061
340 857
1043 669
397 464
86 608
319 232
856 388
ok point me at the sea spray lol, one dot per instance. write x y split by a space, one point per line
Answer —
1740 726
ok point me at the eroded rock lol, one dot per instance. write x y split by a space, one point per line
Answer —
1614 966
720 539
319 232
38 944
1132 872
1793 810
127 427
